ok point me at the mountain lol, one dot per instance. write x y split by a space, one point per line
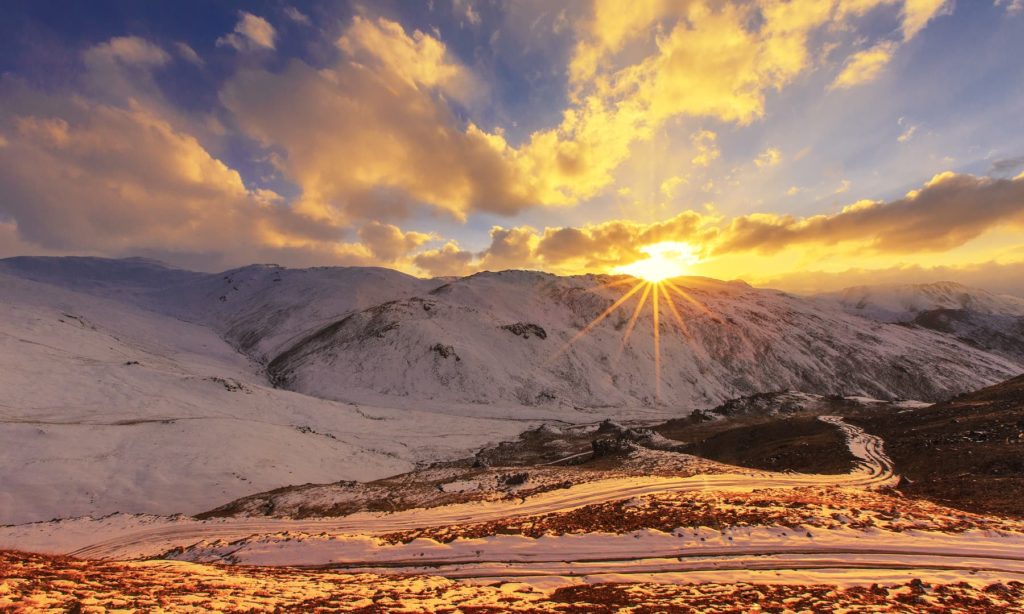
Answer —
501 337
130 385
903 302
106 406
379 336
256 308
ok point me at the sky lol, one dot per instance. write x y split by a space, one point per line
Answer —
803 144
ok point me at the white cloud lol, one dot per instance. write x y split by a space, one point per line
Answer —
909 130
1013 7
466 9
127 50
296 15
251 32
187 53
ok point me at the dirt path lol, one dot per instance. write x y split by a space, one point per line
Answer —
155 538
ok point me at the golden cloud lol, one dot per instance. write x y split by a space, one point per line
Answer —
768 157
947 212
372 136
251 32
445 261
864 66
388 243
97 178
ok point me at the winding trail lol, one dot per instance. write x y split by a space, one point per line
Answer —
733 554
875 470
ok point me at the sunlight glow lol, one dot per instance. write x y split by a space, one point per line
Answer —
657 291
664 261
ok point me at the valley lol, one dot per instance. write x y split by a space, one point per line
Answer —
178 437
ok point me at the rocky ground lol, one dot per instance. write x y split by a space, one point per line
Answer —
967 452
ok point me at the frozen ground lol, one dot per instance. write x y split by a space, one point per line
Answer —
105 407
824 536
123 537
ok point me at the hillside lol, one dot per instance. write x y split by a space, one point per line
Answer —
106 407
457 343
903 302
379 336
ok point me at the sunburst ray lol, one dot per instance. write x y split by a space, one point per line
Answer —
632 321
686 296
657 344
678 317
589 327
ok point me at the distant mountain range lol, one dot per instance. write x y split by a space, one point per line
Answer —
359 334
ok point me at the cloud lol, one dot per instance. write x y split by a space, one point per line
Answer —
864 66
669 186
101 175
704 142
419 60
947 212
188 54
1007 278
638 65
467 11
388 243
127 50
251 33
90 177
1013 7
373 136
510 248
445 261
297 16
592 247
1006 166
768 157
909 130
917 14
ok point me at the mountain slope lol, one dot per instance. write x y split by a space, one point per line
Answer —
966 452
459 344
107 407
902 302
256 308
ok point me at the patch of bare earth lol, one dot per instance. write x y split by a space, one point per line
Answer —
967 453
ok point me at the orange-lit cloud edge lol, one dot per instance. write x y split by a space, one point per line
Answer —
372 137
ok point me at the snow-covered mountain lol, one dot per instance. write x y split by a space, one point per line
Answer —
498 338
903 302
375 335
105 406
130 385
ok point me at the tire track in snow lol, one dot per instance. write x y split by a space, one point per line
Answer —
875 470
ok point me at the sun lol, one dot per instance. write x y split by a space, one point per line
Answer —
652 279
664 260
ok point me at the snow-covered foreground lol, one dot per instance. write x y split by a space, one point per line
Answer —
844 556
653 554
359 543
126 536
105 407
